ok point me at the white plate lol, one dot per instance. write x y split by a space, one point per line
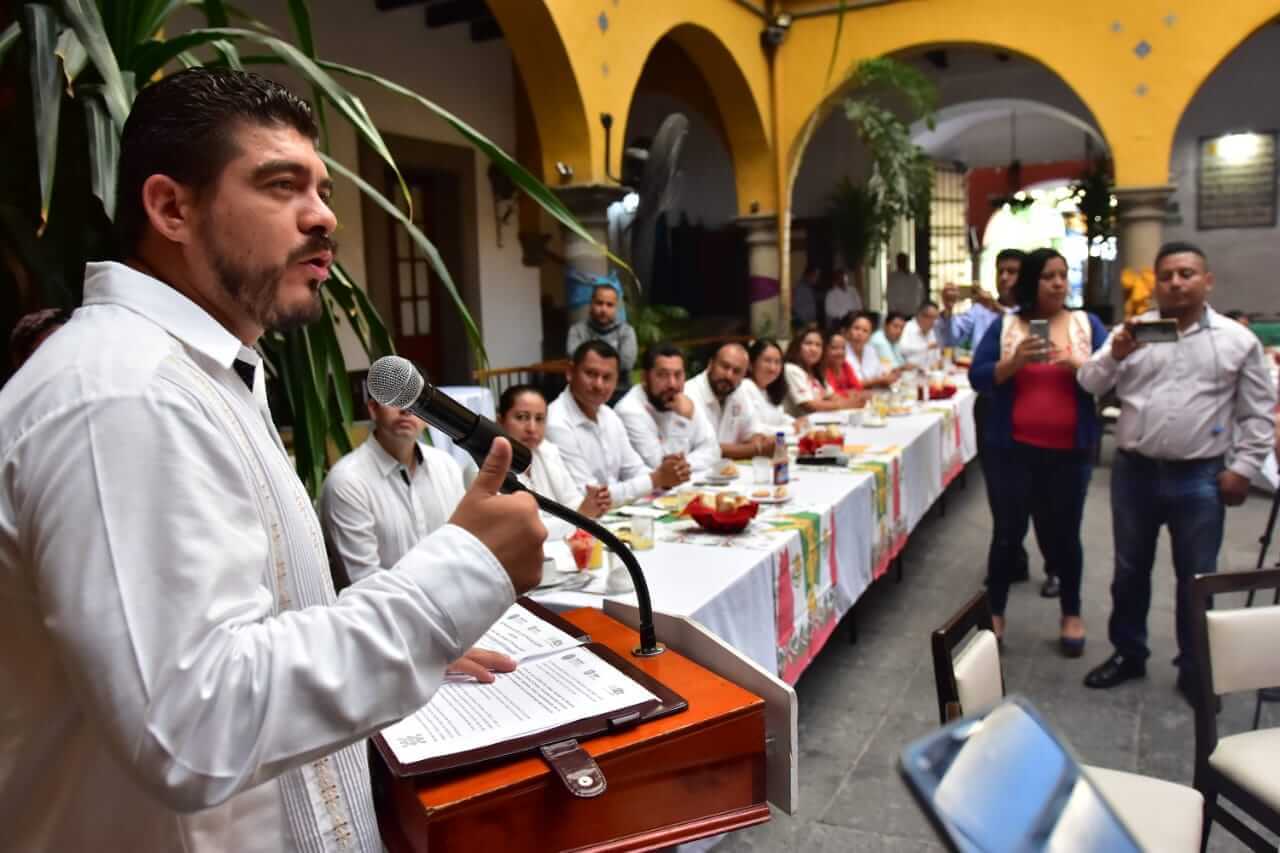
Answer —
718 479
873 425
563 581
769 500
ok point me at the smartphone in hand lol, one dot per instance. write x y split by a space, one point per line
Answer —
1040 329
1156 332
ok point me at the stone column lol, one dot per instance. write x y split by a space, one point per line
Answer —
1140 216
763 268
589 203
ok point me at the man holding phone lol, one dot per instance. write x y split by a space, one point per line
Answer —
1195 426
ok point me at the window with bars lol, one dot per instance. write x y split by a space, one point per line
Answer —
949 261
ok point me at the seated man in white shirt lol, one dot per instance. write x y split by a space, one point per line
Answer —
716 393
385 496
660 419
591 437
919 344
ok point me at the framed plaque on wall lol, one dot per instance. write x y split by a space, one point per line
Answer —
1236 181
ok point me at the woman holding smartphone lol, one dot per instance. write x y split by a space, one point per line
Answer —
1042 430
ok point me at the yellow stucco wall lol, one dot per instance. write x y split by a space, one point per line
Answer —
580 59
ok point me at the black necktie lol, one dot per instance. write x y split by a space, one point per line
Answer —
245 370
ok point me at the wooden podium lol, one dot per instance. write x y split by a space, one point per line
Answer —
693 774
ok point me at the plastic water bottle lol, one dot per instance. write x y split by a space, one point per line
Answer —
781 461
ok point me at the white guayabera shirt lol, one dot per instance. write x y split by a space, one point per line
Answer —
656 434
734 421
597 452
374 511
176 671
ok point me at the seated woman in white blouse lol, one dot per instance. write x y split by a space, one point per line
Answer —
806 391
522 411
765 386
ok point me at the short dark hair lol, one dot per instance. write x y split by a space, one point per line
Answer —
869 316
928 303
1026 290
847 320
662 349
28 331
597 346
508 399
182 126
1177 247
1011 255
777 390
894 315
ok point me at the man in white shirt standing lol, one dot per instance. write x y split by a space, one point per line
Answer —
385 496
841 298
1195 427
903 291
717 395
659 417
590 435
177 672
919 343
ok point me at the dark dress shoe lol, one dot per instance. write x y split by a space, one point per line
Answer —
1051 587
1116 669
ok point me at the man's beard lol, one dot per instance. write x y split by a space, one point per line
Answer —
657 402
254 289
722 388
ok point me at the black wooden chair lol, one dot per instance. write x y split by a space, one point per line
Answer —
1236 650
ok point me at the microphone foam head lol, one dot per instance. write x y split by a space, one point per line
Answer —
394 381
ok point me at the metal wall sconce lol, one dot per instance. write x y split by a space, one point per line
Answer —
504 199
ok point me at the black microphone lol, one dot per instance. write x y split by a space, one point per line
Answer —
394 381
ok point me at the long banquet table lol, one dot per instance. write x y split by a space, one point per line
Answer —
777 591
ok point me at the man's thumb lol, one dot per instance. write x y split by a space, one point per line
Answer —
494 470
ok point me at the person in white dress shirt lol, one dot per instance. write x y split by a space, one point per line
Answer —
842 298
718 395
862 356
522 411
661 419
591 437
919 342
177 672
385 496
766 386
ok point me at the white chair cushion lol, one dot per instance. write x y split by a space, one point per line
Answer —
1242 644
1251 760
1163 816
977 670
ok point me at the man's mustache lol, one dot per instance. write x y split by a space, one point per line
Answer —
313 246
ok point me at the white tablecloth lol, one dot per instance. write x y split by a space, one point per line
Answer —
733 590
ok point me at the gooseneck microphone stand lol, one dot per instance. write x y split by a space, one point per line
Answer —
649 645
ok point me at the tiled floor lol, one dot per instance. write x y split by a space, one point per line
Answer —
859 704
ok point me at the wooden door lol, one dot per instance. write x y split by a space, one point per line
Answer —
415 289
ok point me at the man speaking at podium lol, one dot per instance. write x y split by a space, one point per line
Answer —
176 670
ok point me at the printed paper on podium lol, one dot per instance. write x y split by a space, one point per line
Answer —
563 687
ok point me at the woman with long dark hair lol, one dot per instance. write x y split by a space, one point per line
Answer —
1041 432
803 372
765 385
522 411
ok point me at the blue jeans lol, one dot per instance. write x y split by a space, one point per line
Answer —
1146 494
1047 485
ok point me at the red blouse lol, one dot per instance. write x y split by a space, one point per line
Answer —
1044 407
844 382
